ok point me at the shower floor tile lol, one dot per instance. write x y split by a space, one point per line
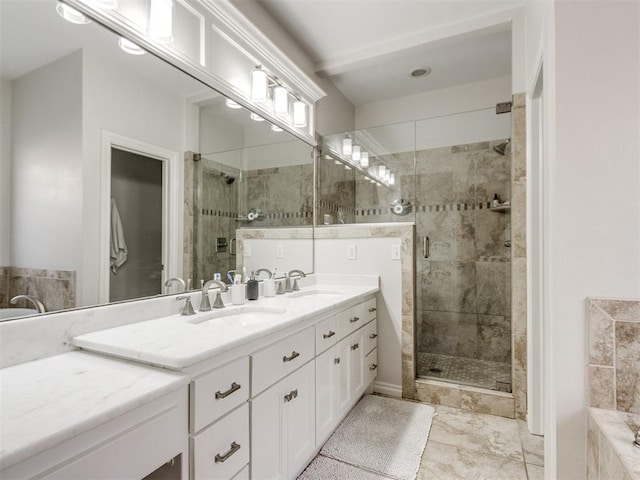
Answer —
468 371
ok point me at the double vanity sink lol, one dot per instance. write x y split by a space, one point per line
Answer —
231 381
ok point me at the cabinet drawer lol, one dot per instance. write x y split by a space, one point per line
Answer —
219 392
370 309
371 366
278 360
222 450
350 320
371 336
326 334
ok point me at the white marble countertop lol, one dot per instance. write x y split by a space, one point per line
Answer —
51 400
178 341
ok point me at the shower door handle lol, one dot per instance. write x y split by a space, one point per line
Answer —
425 247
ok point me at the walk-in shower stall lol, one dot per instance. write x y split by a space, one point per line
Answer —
451 176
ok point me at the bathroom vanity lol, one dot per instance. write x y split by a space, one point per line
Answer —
248 391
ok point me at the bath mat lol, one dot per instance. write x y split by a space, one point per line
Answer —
325 468
384 435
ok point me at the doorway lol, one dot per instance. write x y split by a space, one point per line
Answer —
136 226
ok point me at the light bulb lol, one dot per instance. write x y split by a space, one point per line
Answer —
70 14
347 146
280 100
356 152
392 179
130 47
259 84
364 159
161 20
382 170
299 114
231 104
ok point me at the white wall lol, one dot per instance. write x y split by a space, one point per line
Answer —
5 172
373 258
47 166
437 103
116 101
592 93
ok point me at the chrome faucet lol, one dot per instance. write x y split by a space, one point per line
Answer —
177 280
188 307
288 286
39 306
205 304
266 270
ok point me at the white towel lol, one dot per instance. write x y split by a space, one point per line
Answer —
118 245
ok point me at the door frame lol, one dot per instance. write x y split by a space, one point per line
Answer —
171 206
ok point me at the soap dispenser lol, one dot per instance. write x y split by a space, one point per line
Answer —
253 291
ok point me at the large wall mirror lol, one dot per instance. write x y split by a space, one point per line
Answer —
119 171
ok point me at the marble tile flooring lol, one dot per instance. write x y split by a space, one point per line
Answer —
475 446
468 371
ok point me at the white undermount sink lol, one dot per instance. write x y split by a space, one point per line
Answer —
241 316
7 313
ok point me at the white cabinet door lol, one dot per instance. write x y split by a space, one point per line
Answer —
300 419
327 367
283 426
343 382
356 363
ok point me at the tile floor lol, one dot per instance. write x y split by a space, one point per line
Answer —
468 371
475 446
467 445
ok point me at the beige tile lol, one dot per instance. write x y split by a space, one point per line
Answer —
602 390
593 449
532 445
620 310
518 220
438 394
611 466
455 462
484 434
600 336
628 388
535 472
480 402
519 296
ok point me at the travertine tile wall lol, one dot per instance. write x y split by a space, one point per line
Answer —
613 370
284 194
55 288
519 255
464 298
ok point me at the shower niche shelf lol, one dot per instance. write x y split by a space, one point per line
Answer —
501 208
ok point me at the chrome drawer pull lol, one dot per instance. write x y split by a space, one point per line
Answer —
372 309
354 319
291 395
223 458
293 355
336 360
328 335
234 388
373 335
355 346
373 366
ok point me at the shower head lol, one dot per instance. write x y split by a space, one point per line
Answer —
228 178
500 148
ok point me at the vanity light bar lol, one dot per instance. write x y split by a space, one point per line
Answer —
364 159
280 100
356 153
347 146
161 20
259 85
299 114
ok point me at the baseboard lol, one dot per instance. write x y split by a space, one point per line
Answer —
388 389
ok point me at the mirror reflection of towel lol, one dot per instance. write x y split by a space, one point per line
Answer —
118 245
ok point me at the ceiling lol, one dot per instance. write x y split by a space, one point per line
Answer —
368 48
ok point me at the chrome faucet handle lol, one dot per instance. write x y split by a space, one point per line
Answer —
188 307
205 304
281 288
265 270
296 287
289 287
39 306
218 303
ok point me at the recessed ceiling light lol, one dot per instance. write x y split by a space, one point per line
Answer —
421 72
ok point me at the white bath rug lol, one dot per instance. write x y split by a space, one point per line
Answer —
325 468
384 435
